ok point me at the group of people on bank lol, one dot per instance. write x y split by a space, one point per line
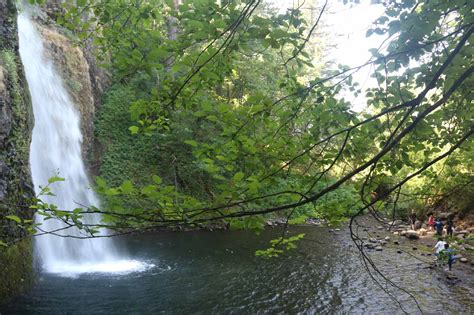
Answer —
437 224
443 251
434 223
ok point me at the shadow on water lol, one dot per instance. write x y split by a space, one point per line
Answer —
218 273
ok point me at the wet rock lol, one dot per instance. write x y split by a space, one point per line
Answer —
414 248
365 230
387 238
372 240
396 242
378 248
369 246
380 227
399 252
337 230
396 222
412 235
451 276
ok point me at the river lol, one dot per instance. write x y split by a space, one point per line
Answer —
217 272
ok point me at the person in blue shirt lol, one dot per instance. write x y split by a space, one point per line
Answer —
449 253
439 227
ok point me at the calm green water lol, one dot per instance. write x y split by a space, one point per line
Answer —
217 272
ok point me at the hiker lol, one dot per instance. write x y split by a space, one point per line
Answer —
449 254
439 246
431 222
413 219
439 227
449 226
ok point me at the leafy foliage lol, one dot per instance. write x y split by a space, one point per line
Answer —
237 123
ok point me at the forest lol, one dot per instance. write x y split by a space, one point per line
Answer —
236 116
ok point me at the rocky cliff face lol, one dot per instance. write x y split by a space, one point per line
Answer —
15 180
69 59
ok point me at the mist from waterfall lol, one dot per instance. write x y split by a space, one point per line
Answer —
56 150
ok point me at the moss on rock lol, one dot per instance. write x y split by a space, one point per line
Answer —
17 268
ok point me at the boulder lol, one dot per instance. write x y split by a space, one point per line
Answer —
412 235
463 259
463 232
396 233
396 222
403 233
422 232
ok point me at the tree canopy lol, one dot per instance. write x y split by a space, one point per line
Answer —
227 111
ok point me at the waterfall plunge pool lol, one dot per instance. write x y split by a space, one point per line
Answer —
217 272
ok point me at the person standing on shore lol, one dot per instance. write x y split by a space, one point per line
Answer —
449 226
413 219
431 222
439 227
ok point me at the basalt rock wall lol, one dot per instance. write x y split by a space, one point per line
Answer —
16 192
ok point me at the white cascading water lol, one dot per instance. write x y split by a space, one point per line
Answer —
56 147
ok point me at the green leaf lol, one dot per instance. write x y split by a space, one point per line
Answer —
238 176
157 179
55 179
191 143
14 218
126 187
133 129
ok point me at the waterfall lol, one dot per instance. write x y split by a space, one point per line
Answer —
56 148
